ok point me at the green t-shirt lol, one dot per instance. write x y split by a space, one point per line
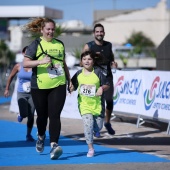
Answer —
47 76
87 86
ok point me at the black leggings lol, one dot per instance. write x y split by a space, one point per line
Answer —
49 103
109 95
26 107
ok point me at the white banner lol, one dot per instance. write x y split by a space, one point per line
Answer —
127 91
70 109
156 94
142 92
138 92
14 102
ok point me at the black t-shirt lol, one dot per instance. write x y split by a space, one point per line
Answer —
106 51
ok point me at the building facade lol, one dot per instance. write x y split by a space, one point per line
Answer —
120 24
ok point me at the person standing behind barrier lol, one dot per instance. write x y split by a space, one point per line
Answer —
25 102
105 49
90 84
46 55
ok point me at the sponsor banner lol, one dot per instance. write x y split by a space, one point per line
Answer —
127 91
14 102
70 109
138 92
156 94
142 92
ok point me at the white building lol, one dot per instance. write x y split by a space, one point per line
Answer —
119 24
154 22
16 35
8 13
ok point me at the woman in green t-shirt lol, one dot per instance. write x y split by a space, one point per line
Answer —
46 56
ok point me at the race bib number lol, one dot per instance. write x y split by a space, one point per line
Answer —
26 87
55 71
88 90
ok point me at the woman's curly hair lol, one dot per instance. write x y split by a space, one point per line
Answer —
36 24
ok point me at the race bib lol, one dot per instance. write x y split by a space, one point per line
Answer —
26 87
55 71
88 90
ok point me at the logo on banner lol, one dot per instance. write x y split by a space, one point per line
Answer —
156 96
150 95
124 88
117 94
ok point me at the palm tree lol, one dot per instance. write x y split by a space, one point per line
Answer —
139 39
141 43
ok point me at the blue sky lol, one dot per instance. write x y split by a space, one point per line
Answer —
83 9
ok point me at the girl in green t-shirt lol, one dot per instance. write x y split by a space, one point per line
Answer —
91 83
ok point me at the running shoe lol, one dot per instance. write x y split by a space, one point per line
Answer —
90 153
109 128
19 118
56 152
29 138
40 144
97 134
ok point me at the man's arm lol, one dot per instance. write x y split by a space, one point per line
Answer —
113 63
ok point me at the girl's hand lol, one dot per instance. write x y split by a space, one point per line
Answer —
71 87
99 91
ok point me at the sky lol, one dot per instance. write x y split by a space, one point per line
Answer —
83 9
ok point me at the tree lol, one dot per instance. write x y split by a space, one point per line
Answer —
59 30
77 52
141 44
6 56
139 39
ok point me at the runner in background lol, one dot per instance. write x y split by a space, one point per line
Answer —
24 98
104 48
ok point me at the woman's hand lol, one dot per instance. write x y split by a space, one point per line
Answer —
45 60
6 93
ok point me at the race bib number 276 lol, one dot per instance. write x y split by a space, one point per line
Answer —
88 90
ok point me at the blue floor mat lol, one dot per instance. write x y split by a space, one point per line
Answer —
15 151
5 100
